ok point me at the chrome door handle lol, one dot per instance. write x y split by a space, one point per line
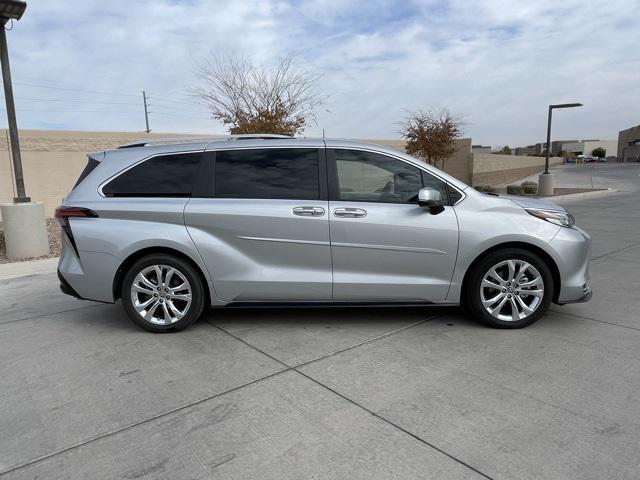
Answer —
308 211
350 212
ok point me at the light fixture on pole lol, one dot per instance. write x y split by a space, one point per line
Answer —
545 180
11 10
25 232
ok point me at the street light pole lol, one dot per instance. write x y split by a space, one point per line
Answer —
25 233
546 160
11 116
545 180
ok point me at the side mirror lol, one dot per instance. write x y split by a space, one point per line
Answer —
428 197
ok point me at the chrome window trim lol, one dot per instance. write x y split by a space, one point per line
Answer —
145 159
263 147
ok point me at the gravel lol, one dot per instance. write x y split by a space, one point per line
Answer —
53 232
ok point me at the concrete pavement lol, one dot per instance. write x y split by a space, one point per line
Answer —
332 393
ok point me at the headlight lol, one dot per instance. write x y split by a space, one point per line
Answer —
563 219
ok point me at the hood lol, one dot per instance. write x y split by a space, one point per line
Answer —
526 202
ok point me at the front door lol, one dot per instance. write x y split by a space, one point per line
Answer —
384 246
264 231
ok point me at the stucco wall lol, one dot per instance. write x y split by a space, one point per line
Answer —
628 149
53 160
459 165
493 169
588 146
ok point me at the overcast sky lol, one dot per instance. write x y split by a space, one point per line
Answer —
499 63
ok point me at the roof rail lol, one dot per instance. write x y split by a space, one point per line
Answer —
180 140
169 141
257 136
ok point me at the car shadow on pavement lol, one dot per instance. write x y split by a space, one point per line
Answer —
321 316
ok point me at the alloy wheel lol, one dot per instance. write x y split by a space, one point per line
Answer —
161 294
512 290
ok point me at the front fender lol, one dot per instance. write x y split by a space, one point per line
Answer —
482 230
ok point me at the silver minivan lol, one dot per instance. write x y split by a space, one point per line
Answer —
173 227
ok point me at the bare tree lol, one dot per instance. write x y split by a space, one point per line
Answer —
251 98
431 135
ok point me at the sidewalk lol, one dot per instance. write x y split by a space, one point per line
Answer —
30 267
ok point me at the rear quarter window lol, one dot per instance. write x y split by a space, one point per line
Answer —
91 165
161 176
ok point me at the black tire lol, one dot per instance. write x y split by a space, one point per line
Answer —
192 310
472 300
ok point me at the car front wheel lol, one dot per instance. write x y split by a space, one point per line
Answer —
510 288
162 293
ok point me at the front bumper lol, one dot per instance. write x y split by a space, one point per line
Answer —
571 249
588 293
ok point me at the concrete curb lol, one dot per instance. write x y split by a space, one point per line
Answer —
581 195
29 267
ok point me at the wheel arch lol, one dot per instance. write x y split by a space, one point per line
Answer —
137 255
548 259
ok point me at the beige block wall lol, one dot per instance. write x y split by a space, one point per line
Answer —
493 169
460 165
52 161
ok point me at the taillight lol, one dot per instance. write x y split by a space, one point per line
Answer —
63 214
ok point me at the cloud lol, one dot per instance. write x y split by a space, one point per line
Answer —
497 62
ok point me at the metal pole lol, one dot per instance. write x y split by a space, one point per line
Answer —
11 117
146 111
546 161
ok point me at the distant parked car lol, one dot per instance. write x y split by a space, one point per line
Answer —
173 228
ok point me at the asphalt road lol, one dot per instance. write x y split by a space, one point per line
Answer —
333 393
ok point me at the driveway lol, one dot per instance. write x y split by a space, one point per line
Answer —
371 393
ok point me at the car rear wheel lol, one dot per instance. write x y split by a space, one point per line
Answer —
162 293
510 288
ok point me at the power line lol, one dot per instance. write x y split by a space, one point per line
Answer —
176 101
73 101
176 109
74 111
68 87
75 89
177 115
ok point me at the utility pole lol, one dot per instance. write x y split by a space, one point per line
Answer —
146 110
11 117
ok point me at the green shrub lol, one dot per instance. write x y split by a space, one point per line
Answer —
530 188
485 188
514 190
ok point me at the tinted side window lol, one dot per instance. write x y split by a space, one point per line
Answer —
454 195
371 177
164 176
430 181
275 173
91 165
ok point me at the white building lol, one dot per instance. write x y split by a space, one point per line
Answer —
586 147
